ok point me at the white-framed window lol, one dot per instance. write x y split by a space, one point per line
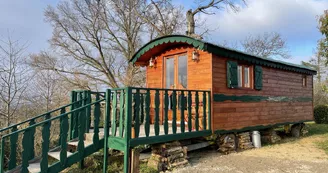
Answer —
304 81
245 76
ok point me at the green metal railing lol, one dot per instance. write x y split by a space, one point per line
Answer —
80 110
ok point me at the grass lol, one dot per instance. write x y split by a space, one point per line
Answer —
319 129
94 164
313 130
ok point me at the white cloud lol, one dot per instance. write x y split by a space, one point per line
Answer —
294 19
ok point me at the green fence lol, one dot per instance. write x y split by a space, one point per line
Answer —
73 121
136 116
133 116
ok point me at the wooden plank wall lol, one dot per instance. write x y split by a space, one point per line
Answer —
230 115
199 73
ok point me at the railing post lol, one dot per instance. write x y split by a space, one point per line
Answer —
136 113
114 116
96 115
121 120
81 126
45 145
72 118
127 136
189 111
13 149
32 122
174 114
196 111
204 111
88 110
157 103
2 155
63 138
182 109
106 129
147 109
166 109
76 115
26 149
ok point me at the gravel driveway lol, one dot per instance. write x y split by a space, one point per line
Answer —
299 156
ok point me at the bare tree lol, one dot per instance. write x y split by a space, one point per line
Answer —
268 45
204 7
160 16
318 62
94 41
13 78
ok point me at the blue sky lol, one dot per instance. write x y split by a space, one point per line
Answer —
294 19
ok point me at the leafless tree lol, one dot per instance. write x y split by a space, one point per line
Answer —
160 16
267 45
318 62
205 7
14 78
94 41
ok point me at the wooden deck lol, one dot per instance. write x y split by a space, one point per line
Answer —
142 133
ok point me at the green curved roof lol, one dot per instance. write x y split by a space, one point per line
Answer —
222 51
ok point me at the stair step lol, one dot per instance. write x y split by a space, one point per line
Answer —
89 136
101 130
34 167
75 143
56 154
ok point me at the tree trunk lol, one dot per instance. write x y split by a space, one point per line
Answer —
190 23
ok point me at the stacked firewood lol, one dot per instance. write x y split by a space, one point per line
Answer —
304 130
269 136
244 141
226 143
168 156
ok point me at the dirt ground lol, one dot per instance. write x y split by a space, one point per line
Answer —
294 156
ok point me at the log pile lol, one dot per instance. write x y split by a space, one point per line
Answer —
244 141
304 130
226 143
270 136
168 156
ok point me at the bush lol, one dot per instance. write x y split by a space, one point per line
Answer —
321 114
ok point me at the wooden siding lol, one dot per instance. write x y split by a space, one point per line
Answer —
230 115
199 74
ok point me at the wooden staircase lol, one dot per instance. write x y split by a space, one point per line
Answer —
34 167
77 139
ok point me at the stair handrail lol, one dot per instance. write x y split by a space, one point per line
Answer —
39 116
39 124
53 118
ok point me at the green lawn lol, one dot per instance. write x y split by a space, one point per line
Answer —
319 129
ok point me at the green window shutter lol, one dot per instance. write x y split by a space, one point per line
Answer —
258 77
232 78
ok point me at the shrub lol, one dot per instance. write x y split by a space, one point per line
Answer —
321 114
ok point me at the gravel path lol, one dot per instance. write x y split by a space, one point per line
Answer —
299 156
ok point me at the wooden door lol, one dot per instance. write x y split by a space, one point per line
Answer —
175 77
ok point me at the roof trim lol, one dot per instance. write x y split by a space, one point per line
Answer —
222 51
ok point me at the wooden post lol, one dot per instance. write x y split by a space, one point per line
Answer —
106 129
135 164
127 136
